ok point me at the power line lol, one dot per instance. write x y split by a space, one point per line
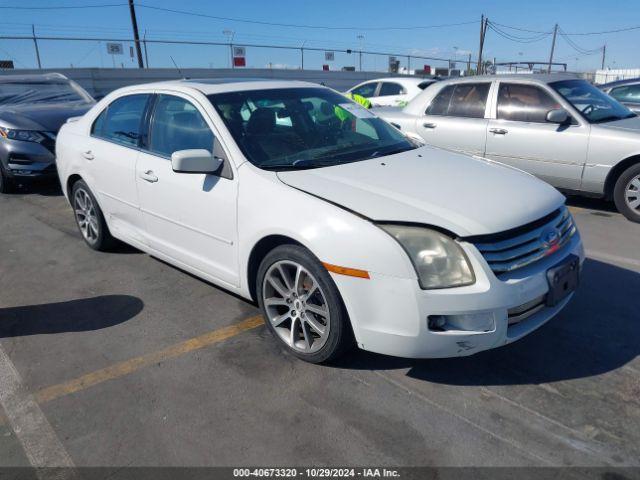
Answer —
520 28
618 30
293 25
515 38
578 48
63 7
602 32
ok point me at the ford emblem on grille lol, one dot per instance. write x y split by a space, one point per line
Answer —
550 237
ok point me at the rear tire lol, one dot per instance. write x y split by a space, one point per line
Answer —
626 193
89 218
302 305
7 185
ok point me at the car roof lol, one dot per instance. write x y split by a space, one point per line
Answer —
521 77
628 81
40 77
408 80
209 86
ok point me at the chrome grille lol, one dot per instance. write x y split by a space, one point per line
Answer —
527 244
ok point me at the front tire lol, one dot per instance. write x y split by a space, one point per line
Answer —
302 306
89 218
626 193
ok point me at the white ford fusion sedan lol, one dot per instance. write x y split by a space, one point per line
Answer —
339 227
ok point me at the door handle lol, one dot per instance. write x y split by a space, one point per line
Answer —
429 125
499 131
88 155
149 176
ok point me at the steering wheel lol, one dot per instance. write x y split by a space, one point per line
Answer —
588 109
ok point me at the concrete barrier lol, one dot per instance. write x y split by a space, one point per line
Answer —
100 81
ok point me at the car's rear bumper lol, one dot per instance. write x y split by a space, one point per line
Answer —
390 315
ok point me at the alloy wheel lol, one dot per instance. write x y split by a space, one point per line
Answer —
86 215
632 193
296 306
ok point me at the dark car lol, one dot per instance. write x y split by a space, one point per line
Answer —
626 92
32 110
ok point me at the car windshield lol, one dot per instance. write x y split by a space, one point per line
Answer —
40 92
595 105
297 128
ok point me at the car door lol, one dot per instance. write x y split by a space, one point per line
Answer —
390 94
111 153
455 118
520 135
190 217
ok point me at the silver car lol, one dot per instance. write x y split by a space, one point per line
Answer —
559 128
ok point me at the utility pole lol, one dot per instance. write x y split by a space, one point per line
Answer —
35 42
553 46
361 38
483 30
136 36
604 53
469 64
144 41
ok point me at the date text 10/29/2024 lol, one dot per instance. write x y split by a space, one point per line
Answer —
316 472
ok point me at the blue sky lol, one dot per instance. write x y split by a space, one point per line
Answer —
368 18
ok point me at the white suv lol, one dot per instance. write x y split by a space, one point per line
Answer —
341 229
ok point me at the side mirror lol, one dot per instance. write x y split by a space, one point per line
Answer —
195 161
558 115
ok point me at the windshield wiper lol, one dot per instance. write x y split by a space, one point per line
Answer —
383 153
302 164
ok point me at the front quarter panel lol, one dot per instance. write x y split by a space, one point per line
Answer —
607 147
266 206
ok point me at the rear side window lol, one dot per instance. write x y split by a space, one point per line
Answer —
463 100
627 93
367 90
121 121
389 89
178 125
524 103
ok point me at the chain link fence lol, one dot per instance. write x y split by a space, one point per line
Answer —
25 51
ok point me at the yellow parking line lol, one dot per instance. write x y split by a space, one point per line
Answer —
127 367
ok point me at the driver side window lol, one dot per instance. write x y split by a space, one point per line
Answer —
178 125
367 90
524 103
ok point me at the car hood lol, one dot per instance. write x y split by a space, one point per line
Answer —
46 118
627 124
465 195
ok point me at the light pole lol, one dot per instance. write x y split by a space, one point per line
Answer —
230 34
361 38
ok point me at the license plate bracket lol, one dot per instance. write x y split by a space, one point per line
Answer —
563 280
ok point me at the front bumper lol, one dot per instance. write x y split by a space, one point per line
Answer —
390 315
24 160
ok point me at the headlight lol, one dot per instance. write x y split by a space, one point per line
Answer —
23 135
439 261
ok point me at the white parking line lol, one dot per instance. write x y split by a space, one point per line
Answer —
40 443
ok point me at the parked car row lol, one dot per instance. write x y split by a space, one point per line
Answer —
347 229
558 128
